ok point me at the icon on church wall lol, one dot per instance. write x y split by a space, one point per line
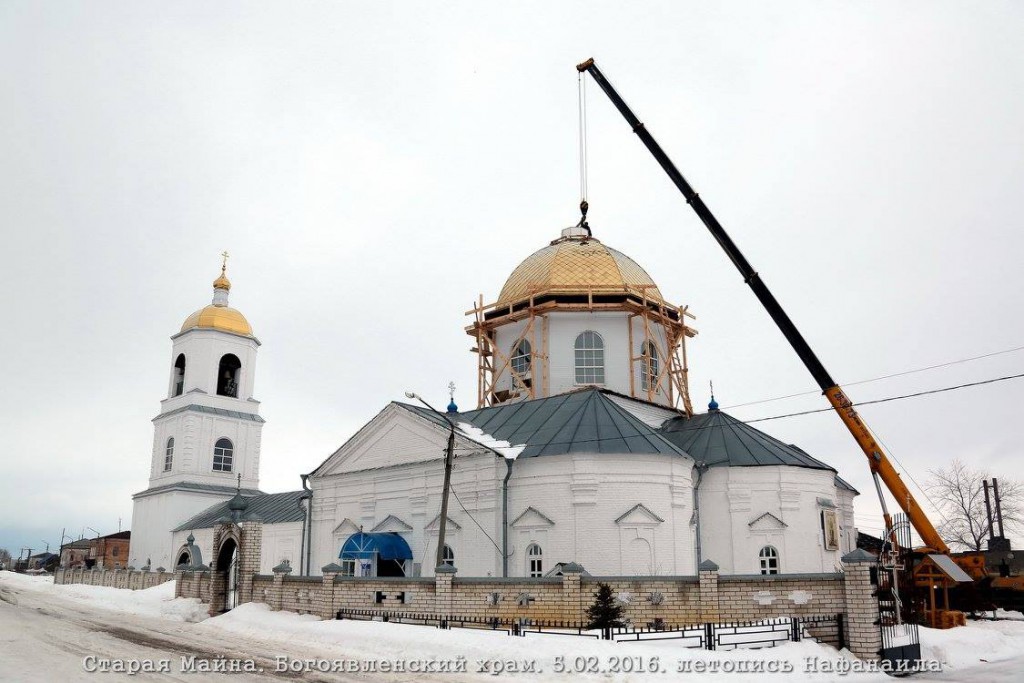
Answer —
831 524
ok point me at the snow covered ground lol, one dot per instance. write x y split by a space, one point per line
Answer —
158 601
288 645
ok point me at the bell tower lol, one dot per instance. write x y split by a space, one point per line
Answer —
206 437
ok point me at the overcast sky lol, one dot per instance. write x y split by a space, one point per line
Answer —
374 167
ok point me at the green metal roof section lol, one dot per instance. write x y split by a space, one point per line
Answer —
720 440
584 421
270 508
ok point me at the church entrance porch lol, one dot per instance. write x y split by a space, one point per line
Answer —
375 554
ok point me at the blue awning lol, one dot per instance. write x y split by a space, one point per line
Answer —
383 546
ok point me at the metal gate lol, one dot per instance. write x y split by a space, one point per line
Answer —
897 607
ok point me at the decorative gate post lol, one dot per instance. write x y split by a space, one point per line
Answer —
863 632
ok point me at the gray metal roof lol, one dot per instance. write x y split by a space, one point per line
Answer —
212 411
191 486
720 440
585 421
270 508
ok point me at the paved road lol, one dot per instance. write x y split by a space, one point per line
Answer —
45 639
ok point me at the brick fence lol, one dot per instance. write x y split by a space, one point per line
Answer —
132 579
674 600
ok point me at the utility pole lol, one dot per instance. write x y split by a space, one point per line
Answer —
999 506
449 457
988 513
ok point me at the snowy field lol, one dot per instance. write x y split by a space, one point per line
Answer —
291 646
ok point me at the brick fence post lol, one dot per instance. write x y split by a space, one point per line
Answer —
572 592
326 607
444 577
863 634
277 590
708 587
250 555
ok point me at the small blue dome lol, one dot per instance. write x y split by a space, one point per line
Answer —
713 405
452 408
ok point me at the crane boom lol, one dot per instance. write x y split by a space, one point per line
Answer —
880 465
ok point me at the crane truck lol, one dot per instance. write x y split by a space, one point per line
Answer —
882 471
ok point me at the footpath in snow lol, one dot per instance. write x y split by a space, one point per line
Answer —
381 650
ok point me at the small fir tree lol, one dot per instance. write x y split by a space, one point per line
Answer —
606 612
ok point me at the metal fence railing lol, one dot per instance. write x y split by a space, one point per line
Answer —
710 636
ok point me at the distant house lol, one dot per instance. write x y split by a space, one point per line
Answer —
103 552
41 562
76 554
111 551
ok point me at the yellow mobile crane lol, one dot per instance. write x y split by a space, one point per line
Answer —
969 565
881 469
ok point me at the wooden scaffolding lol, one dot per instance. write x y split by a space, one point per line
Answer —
663 373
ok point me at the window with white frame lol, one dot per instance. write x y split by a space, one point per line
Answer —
534 560
348 567
448 556
769 558
649 365
223 455
520 361
169 454
589 349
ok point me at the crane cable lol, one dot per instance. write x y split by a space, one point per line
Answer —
581 90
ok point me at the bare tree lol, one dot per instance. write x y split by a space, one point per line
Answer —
958 493
5 558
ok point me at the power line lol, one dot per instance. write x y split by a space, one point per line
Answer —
452 489
816 410
876 379
892 398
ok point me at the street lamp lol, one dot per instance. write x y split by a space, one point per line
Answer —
448 458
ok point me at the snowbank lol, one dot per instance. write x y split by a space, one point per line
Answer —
158 601
979 641
1009 614
374 640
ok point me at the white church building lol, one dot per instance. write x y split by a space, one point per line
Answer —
583 448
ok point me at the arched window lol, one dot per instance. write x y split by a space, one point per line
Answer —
534 560
179 376
769 558
169 454
448 556
589 358
228 375
649 366
223 455
520 361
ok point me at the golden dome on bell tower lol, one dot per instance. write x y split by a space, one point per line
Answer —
218 315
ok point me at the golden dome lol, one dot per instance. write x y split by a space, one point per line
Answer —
218 315
576 264
221 318
222 282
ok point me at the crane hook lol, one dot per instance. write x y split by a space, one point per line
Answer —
583 218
